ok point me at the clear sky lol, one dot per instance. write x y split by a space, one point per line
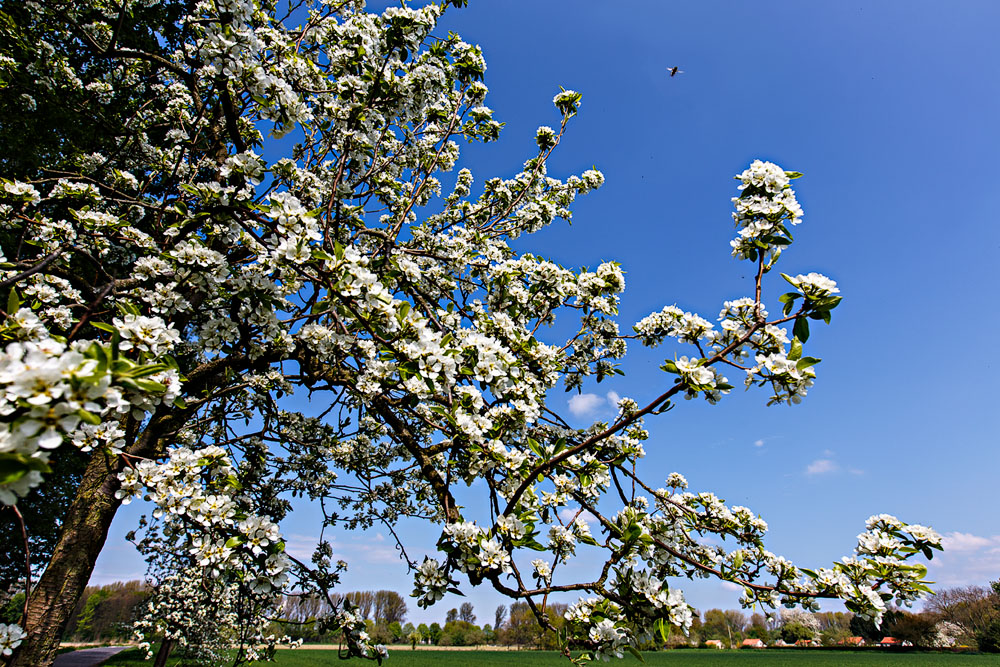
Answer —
892 112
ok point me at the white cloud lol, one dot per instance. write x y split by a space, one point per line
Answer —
731 586
582 405
822 467
300 546
585 405
360 548
567 514
967 560
956 541
758 443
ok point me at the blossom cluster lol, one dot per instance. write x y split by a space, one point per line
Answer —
198 487
11 636
51 393
764 210
176 283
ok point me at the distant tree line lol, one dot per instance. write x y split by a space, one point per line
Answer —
103 613
955 617
965 616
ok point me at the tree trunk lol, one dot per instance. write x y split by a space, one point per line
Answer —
161 656
84 531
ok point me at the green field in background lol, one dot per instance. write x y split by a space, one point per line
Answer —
697 657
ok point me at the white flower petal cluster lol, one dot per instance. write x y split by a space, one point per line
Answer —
200 281
150 335
675 323
51 393
814 285
763 211
11 636
431 582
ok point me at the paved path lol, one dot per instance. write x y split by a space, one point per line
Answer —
88 657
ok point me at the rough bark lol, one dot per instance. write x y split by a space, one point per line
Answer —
166 647
84 532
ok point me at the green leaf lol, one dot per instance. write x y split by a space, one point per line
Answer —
662 627
796 350
828 303
150 386
15 465
116 341
143 371
534 545
88 417
788 296
635 652
128 308
13 301
801 329
793 174
234 541
534 446
806 362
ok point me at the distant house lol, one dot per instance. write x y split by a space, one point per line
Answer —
714 643
807 642
852 641
753 643
890 641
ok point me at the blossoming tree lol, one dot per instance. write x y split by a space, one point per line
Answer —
167 288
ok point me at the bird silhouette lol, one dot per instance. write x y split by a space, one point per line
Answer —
674 71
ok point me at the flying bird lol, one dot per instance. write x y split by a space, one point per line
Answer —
674 71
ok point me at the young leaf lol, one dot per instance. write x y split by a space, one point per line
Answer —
801 329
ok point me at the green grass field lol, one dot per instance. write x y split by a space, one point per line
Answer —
695 657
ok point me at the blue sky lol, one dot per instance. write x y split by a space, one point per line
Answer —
891 111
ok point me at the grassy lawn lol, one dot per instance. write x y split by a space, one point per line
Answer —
699 658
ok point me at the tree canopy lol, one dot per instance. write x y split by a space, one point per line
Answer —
220 328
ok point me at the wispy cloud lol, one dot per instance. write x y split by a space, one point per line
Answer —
822 467
967 560
758 443
585 405
353 548
956 541
567 514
